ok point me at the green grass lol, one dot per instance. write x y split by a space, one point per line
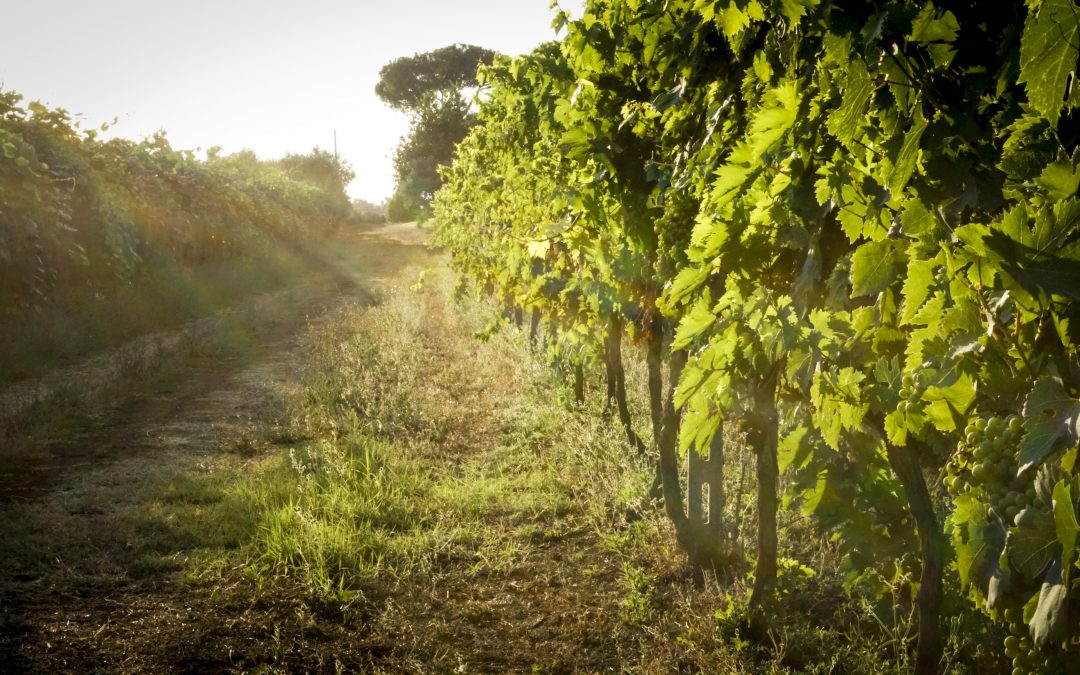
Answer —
418 477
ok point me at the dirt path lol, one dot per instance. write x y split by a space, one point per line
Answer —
75 594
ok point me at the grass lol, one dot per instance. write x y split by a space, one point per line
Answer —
434 461
423 501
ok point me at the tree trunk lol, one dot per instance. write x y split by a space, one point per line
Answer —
616 386
654 362
764 439
905 464
701 546
669 456
534 327
579 381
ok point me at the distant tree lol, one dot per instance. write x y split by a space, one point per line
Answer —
319 168
430 88
369 212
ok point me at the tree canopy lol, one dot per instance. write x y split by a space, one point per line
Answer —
412 83
430 88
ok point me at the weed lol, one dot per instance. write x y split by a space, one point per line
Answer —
638 603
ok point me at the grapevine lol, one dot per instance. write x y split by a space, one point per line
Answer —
856 225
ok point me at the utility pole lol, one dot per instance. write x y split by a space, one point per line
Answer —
335 145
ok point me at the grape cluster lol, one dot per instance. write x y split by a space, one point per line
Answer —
1026 658
911 390
986 460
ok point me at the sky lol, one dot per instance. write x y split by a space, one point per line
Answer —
273 76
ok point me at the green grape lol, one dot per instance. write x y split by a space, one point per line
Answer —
1005 465
907 380
980 424
1015 423
981 472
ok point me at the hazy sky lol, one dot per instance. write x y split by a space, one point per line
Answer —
276 76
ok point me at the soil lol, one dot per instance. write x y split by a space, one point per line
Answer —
73 597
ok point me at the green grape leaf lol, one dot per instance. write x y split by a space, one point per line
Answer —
978 541
686 282
844 121
875 265
917 284
538 248
733 20
1032 543
1065 522
917 221
694 323
1048 476
1048 53
693 378
938 30
780 108
1060 180
904 166
795 449
699 425
793 10
1049 624
999 587
839 403
948 406
930 25
1056 276
1050 416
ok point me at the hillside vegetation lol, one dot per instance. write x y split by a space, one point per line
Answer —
101 240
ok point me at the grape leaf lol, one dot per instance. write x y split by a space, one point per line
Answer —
874 266
693 323
1060 180
688 280
904 165
780 107
839 403
1032 543
917 283
1051 415
1049 623
794 450
949 405
978 541
938 30
1048 52
998 588
699 425
1065 522
844 121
